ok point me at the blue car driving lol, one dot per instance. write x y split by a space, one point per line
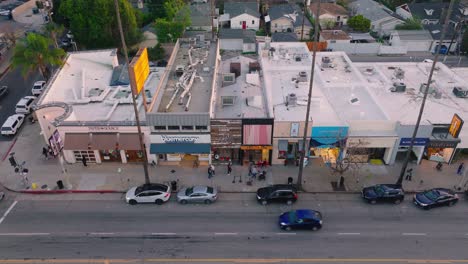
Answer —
301 219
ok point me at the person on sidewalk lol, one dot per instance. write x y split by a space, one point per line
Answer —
213 169
210 172
44 152
83 159
51 152
229 167
461 168
409 174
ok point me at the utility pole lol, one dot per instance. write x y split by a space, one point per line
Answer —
311 84
212 20
137 118
421 110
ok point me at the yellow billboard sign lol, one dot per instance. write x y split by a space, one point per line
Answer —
139 70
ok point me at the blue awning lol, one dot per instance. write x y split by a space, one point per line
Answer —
161 148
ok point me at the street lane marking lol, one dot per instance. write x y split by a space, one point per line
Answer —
163 234
286 234
348 234
225 234
8 211
100 233
24 234
414 234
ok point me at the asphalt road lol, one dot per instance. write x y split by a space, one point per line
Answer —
233 229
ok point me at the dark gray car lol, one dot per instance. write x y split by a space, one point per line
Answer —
197 194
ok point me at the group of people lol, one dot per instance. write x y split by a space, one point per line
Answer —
48 152
211 170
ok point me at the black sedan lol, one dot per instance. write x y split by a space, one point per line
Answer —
435 197
383 193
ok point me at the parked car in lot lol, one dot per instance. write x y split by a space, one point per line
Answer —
24 106
435 197
383 193
38 87
12 124
197 194
300 219
148 193
277 193
3 91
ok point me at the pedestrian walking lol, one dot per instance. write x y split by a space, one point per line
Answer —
229 168
50 151
84 161
210 172
409 174
461 168
44 152
213 169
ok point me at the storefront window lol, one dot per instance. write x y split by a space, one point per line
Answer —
87 154
110 155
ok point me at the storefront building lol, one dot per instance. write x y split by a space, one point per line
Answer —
226 141
444 140
180 149
328 143
257 137
288 141
405 133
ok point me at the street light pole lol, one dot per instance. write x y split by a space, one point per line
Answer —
311 84
426 90
137 118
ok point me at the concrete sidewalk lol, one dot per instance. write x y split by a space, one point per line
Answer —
117 177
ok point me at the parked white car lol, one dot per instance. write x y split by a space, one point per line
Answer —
24 106
38 87
148 193
12 124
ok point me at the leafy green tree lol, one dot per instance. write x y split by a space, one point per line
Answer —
54 30
410 24
156 8
156 53
168 31
359 23
36 52
173 7
94 23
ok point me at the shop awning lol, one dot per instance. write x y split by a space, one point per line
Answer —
129 141
104 141
188 148
76 141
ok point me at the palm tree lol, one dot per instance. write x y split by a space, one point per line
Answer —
37 52
54 30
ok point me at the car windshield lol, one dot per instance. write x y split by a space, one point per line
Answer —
189 191
20 106
209 190
432 195
292 217
379 189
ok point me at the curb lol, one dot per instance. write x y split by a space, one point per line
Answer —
65 191
5 71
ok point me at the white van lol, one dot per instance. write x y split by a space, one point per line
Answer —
12 124
25 104
38 87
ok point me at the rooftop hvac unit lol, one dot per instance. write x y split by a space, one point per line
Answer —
460 92
422 88
398 87
179 70
326 59
291 100
302 76
235 68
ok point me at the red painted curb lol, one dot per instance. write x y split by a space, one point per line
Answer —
67 191
9 149
5 71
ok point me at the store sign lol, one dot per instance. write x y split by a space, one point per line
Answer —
103 128
294 129
442 143
180 139
417 141
456 126
255 147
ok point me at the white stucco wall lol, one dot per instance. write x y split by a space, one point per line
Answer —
236 22
281 25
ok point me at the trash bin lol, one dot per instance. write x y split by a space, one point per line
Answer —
174 185
290 180
60 185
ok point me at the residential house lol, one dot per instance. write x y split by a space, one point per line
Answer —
433 13
288 18
237 39
284 37
414 40
331 15
334 38
200 15
242 15
449 42
383 20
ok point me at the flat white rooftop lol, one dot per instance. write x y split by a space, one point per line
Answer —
247 92
83 82
189 79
